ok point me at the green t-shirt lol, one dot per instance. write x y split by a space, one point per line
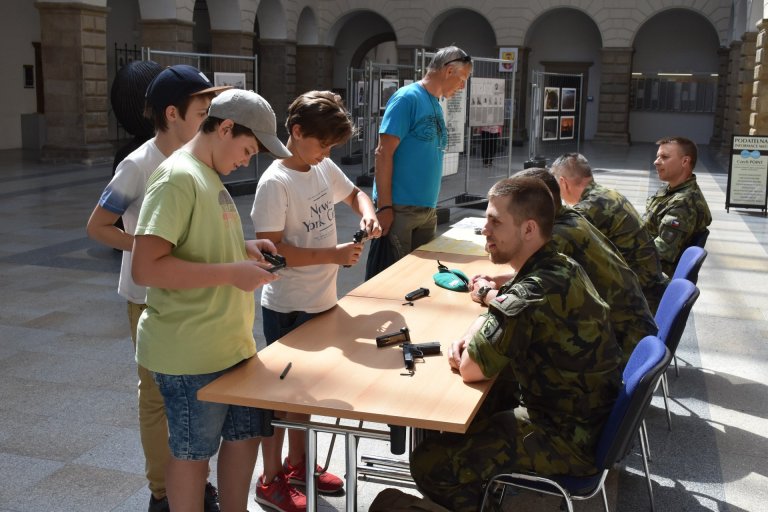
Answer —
200 330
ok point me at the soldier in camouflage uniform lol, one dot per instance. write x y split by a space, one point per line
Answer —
548 337
574 236
612 213
677 212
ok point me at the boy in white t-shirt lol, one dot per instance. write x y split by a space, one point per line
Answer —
177 101
294 207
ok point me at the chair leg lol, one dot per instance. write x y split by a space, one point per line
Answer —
647 474
665 391
605 498
677 370
644 433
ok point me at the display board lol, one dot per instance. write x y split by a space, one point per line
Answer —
748 173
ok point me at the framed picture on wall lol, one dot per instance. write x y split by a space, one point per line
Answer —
236 80
568 99
566 127
549 128
551 99
388 88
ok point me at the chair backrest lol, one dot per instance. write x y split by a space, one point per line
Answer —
699 239
646 364
674 308
689 264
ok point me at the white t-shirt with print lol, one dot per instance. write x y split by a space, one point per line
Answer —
302 206
123 196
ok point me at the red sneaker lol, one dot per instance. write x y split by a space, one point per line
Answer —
327 483
279 495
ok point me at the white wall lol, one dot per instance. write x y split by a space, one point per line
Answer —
18 30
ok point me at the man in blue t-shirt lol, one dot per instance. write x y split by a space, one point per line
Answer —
409 157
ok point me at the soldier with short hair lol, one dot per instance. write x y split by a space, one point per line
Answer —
548 338
677 212
612 213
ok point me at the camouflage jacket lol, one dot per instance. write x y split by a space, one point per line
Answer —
615 217
673 216
549 328
615 282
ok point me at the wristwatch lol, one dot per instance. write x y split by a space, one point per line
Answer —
482 292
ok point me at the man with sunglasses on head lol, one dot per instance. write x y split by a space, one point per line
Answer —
409 157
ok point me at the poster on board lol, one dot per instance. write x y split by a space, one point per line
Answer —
486 103
454 113
748 173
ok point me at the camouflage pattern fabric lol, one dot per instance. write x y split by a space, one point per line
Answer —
548 337
673 216
616 218
616 283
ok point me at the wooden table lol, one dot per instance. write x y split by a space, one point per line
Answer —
338 371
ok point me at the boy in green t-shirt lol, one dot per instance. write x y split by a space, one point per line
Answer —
190 252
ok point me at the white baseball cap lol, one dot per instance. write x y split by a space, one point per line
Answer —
248 109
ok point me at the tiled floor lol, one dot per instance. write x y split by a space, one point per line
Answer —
68 428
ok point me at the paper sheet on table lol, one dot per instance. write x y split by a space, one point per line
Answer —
458 240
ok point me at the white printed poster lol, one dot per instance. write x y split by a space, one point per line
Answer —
454 112
486 105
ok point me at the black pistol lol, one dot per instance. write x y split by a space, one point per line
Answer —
412 351
360 235
276 260
392 338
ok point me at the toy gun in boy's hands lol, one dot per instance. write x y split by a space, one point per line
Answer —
360 236
276 260
412 351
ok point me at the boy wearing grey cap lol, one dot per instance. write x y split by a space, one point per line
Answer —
177 102
190 251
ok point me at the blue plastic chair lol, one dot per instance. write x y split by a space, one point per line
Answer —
671 317
689 264
645 367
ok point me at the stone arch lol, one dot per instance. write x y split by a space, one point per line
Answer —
476 34
717 15
271 20
306 27
353 35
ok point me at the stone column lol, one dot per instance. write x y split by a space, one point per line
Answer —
723 55
231 42
758 118
74 59
520 121
744 90
168 35
731 96
277 74
314 68
615 82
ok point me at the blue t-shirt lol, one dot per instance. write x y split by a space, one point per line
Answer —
416 118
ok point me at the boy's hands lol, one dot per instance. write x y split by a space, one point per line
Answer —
348 253
249 275
254 248
371 226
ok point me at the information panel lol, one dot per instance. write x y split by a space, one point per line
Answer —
748 173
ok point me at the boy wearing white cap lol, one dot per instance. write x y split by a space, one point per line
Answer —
177 102
190 251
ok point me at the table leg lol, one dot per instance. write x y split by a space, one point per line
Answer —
351 455
311 458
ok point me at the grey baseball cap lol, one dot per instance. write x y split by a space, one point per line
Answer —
248 109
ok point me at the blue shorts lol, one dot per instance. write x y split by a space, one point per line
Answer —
276 325
195 428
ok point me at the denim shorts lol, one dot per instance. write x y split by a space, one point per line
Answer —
195 427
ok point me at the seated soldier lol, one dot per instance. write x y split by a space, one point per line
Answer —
574 236
547 334
612 213
677 212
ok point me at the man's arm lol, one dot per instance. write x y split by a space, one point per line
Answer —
385 154
101 227
459 358
154 265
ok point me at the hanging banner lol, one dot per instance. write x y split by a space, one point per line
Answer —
748 173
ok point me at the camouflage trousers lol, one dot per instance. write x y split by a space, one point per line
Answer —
452 469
